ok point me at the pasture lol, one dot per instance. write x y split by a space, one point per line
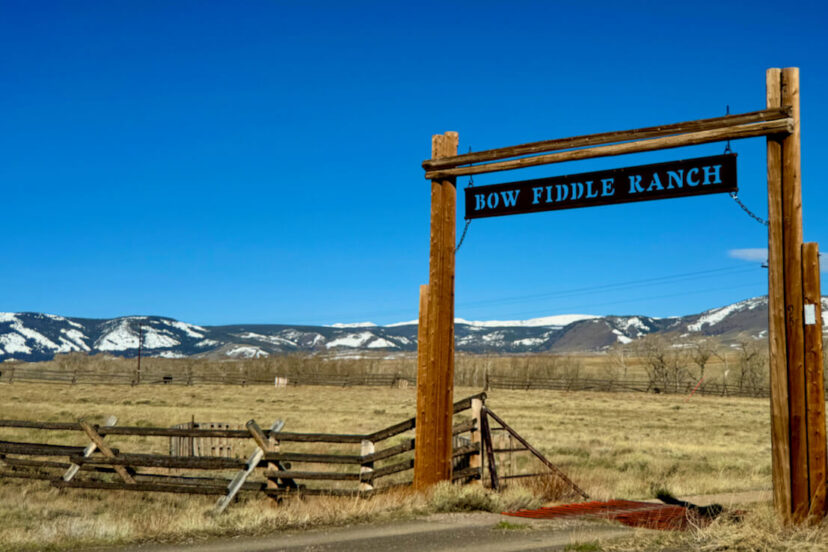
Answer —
611 444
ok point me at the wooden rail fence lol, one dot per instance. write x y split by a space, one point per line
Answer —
31 373
279 463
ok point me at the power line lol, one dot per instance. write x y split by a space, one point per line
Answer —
573 292
571 308
660 280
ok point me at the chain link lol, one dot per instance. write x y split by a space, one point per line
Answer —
735 195
744 207
727 145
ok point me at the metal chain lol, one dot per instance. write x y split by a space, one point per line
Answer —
750 213
735 195
468 222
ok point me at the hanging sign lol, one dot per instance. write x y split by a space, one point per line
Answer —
689 177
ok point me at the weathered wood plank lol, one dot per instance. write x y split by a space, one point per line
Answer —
269 444
366 468
750 130
434 394
295 474
390 451
316 458
777 339
589 140
486 434
474 448
163 461
87 452
814 382
393 468
466 473
39 449
147 487
241 477
104 448
792 250
318 492
391 431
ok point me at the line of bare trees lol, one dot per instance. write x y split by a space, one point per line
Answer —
673 368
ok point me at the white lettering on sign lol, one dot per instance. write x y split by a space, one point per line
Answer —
810 315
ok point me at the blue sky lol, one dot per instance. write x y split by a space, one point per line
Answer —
222 162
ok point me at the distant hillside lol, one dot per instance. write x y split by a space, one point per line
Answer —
36 336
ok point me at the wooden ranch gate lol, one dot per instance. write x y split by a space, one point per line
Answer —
795 325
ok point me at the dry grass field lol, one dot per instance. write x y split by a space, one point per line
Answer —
612 445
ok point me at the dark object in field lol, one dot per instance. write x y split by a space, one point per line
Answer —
710 512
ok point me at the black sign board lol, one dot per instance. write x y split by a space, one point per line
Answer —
689 177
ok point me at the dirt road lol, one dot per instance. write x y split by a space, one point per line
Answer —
481 532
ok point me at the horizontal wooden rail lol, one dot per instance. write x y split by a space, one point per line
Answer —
749 130
402 427
39 449
589 140
465 473
27 475
393 468
68 426
389 452
149 487
295 474
525 475
281 493
466 450
313 458
161 461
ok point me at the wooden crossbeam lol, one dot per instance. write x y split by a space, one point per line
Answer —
95 437
87 452
590 140
748 130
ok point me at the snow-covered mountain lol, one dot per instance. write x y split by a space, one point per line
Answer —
36 336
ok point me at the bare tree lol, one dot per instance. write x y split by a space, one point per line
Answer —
619 357
752 366
666 365
701 351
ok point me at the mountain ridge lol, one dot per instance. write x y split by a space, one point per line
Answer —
32 336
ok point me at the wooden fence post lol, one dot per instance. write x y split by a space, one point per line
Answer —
476 459
366 448
777 338
814 378
433 453
792 260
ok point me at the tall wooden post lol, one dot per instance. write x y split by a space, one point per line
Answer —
789 404
814 381
435 381
792 245
780 415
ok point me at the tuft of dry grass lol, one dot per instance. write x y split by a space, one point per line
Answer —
759 530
